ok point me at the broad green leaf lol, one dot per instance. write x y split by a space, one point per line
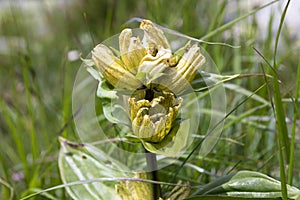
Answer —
214 197
248 184
174 142
214 187
76 164
257 185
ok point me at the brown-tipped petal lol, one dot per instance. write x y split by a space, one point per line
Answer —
154 35
131 49
112 69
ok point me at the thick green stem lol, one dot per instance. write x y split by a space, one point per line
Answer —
153 173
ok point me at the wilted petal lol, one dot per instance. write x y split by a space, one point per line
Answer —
131 49
154 35
113 69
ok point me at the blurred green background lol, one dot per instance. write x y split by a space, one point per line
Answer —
40 47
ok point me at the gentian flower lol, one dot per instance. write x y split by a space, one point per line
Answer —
152 75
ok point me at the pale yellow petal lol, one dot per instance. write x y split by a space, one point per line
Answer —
113 70
131 49
147 129
177 79
154 67
190 63
154 35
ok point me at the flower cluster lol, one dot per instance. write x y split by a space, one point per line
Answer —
153 76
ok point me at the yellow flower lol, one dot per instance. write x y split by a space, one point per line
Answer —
148 63
152 75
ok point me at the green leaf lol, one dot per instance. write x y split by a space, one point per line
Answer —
89 65
257 185
75 164
112 109
171 146
247 184
214 187
214 197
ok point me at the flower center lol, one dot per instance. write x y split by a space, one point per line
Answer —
149 94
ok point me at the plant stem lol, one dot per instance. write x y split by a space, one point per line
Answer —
152 167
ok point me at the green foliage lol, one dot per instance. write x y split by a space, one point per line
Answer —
248 184
76 165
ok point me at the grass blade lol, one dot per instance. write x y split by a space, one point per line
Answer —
280 115
296 114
